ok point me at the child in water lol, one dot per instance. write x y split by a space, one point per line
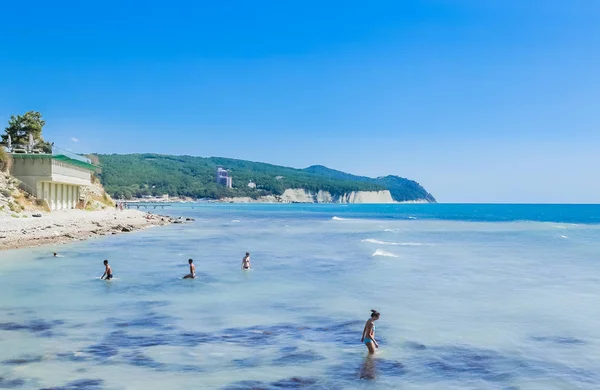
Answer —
107 271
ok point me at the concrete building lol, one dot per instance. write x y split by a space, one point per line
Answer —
54 178
252 185
223 177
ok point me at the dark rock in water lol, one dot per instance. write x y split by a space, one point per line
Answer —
36 215
11 383
193 339
344 332
298 358
102 351
127 340
414 345
190 219
137 358
294 383
81 384
246 385
150 320
246 363
36 326
565 340
390 367
126 229
23 360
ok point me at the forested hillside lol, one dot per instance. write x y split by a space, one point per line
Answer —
136 175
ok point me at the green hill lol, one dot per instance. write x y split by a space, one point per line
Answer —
135 175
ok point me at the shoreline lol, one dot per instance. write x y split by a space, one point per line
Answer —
60 227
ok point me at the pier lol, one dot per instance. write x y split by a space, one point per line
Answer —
144 205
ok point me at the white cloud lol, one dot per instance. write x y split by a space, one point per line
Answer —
75 139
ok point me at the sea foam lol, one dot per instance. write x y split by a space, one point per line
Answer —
374 241
383 253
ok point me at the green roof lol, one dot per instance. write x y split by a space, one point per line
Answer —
58 157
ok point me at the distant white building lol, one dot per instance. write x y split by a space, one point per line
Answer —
252 185
223 177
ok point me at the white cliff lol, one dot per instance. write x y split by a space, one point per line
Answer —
300 195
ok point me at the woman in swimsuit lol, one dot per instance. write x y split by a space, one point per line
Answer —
246 261
368 335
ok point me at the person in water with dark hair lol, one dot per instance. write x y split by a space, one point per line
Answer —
368 335
55 254
107 271
246 261
192 274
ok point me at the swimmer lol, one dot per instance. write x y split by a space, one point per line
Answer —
192 274
55 254
107 271
246 261
368 335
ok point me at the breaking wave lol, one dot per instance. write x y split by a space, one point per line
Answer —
373 241
383 253
339 219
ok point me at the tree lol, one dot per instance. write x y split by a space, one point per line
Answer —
19 128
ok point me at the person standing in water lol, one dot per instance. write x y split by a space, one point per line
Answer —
192 274
107 271
246 261
368 335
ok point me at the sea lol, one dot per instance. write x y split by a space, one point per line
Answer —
498 297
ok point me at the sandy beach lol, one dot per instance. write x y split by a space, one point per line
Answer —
63 226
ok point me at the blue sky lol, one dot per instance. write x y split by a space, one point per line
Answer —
479 101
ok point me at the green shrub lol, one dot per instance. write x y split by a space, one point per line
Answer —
5 160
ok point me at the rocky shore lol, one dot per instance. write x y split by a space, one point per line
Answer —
64 226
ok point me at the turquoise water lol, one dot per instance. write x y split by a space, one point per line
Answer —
471 296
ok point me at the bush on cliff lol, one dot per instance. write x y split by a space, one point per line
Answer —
5 160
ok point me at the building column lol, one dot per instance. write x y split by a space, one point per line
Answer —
74 196
59 199
52 194
64 196
68 198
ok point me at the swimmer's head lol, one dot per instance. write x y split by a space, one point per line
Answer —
247 253
55 254
190 261
105 262
375 314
